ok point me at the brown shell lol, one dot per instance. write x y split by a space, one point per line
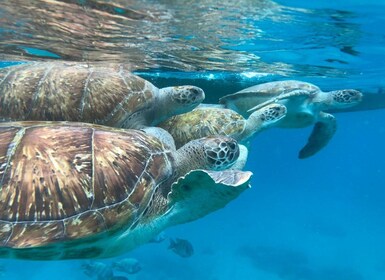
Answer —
63 91
202 122
65 181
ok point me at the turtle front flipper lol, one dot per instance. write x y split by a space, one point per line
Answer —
201 192
322 132
295 93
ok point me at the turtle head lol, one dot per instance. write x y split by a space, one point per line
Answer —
219 152
178 100
345 98
263 118
211 153
270 114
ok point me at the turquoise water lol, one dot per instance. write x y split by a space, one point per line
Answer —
316 219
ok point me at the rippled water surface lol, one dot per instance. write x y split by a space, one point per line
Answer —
315 219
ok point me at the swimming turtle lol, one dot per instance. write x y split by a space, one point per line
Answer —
102 94
77 190
207 120
305 105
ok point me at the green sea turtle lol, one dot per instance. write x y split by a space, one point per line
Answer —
76 190
207 120
102 94
305 105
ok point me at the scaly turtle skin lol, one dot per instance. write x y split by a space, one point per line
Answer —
212 120
75 190
305 104
108 95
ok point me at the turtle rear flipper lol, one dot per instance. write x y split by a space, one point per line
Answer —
322 132
201 192
303 94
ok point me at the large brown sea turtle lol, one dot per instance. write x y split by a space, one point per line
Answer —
305 105
103 94
75 190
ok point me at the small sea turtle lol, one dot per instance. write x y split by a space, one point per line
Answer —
76 190
305 105
108 95
210 120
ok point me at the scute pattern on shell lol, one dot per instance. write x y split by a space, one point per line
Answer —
202 122
63 91
83 179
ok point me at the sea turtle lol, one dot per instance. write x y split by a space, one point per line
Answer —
102 94
212 120
76 190
305 105
207 120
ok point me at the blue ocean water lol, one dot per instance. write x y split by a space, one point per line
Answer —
316 219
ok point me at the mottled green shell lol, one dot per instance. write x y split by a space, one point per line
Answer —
202 122
61 182
62 91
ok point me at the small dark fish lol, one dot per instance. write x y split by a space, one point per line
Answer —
127 265
99 271
181 247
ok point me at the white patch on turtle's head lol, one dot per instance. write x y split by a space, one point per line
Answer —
179 99
345 98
